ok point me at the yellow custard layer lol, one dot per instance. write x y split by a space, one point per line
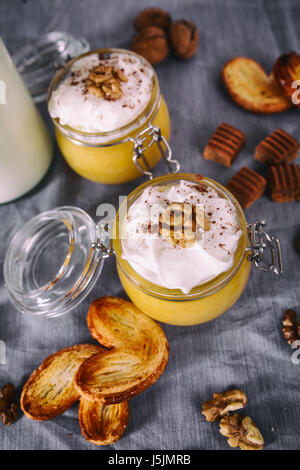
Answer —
113 164
189 312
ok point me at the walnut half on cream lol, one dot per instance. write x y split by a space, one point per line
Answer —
104 81
241 431
179 224
222 403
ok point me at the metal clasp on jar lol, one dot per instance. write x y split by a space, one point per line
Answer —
265 251
103 244
140 146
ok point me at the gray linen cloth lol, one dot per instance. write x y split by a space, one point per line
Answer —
243 348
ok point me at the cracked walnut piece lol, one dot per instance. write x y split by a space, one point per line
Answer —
179 224
8 405
222 403
104 81
241 431
290 327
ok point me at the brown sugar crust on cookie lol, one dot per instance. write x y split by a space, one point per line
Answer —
50 390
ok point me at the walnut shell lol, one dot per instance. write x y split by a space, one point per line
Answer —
184 37
152 17
151 43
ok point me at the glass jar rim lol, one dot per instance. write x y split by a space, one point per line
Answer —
115 136
201 290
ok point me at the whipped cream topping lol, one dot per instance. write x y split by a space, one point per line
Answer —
153 258
86 112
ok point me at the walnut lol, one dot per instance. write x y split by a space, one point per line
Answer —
184 37
290 327
222 403
179 224
94 89
241 431
151 43
8 404
101 73
152 17
104 82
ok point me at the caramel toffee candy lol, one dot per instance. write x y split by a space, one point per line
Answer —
225 144
276 148
251 88
284 182
290 326
247 186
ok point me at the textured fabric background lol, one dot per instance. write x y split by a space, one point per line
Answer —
244 348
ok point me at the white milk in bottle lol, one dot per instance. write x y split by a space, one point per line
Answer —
25 145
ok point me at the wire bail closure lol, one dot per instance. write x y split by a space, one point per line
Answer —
103 244
260 244
154 133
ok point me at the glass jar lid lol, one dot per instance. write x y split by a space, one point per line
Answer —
52 263
38 61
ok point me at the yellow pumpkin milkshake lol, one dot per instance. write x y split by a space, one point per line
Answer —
106 104
181 250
